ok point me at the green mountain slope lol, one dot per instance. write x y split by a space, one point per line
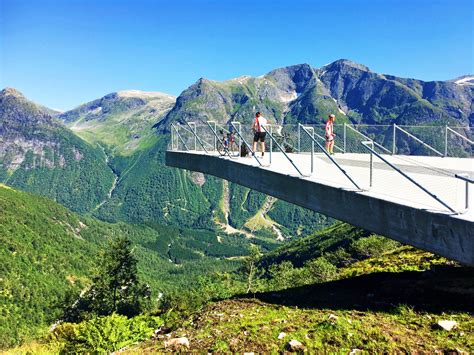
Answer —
122 120
304 94
38 154
382 297
48 251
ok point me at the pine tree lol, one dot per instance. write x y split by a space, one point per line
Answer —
115 285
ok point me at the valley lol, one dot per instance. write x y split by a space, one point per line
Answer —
72 181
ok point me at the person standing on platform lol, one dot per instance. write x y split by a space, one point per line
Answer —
259 132
330 135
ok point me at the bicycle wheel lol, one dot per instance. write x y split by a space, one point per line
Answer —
222 149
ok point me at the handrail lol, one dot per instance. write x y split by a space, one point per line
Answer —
418 140
179 136
465 178
196 136
460 135
246 144
468 181
409 178
370 139
330 158
281 149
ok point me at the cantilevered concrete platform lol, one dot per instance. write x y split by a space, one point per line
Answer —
392 206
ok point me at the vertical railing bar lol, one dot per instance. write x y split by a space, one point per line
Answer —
172 137
271 144
330 158
299 139
371 162
248 147
409 178
215 134
446 140
240 140
468 180
344 138
394 146
181 138
196 136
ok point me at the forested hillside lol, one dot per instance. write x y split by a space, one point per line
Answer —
48 251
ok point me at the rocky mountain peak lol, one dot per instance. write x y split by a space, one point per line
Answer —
11 92
341 64
293 78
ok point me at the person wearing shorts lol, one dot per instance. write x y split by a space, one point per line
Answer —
330 134
259 132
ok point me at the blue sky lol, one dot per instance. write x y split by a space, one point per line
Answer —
64 53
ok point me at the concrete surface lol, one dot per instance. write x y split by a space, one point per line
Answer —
393 206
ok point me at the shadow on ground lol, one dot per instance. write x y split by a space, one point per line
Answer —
442 289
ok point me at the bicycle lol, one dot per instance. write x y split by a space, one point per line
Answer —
225 146
284 140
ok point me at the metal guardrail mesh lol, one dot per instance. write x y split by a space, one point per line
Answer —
448 141
402 145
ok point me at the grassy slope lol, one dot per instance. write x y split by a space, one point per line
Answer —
388 303
380 312
124 132
48 250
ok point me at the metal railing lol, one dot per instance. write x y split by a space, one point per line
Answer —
372 151
397 147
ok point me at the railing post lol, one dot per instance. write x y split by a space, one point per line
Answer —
215 138
299 139
271 143
344 137
172 137
467 195
394 138
312 151
446 140
371 161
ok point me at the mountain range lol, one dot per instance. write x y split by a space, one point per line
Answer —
106 157
100 171
304 94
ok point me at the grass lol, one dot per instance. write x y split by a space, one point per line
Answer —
245 325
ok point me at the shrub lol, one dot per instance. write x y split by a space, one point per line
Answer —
372 246
321 270
104 334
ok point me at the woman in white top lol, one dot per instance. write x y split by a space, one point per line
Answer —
259 132
330 134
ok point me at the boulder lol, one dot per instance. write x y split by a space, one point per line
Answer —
446 325
294 346
177 343
281 335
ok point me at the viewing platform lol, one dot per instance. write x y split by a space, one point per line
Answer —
422 201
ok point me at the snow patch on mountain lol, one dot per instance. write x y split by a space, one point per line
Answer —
467 80
142 94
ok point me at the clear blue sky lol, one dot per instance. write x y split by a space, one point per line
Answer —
64 53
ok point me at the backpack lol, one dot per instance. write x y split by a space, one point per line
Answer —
243 150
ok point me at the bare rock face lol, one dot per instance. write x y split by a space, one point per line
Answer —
198 178
40 155
177 343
